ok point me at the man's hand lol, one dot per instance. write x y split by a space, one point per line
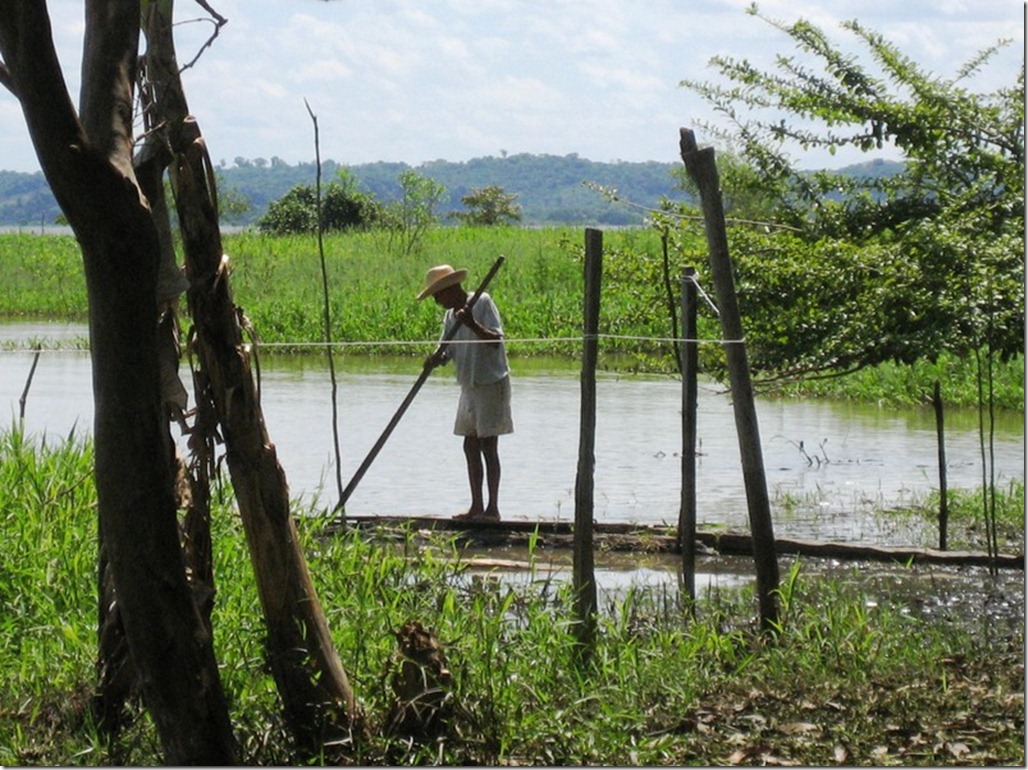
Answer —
438 358
465 317
462 316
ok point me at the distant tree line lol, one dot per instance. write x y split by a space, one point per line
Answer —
550 189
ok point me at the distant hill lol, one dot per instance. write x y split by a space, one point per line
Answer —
551 189
26 200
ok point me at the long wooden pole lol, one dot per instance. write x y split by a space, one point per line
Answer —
940 438
703 170
687 513
426 370
584 571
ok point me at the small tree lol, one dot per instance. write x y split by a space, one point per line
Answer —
408 219
489 206
343 207
884 267
907 264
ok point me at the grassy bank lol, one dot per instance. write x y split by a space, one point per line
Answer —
851 681
277 282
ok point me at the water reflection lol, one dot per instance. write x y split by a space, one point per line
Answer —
853 457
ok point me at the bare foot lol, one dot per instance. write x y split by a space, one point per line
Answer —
474 515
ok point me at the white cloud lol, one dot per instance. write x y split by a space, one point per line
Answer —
413 81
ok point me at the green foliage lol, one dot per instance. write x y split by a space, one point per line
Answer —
233 204
489 206
343 207
877 267
965 516
43 277
25 199
903 385
408 219
665 688
539 290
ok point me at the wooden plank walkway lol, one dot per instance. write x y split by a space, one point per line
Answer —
641 538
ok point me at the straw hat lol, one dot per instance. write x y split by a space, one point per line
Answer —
439 277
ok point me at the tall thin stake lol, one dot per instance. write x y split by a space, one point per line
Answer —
28 383
584 572
327 315
689 366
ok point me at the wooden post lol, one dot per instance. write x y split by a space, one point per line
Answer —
940 434
584 573
701 167
687 512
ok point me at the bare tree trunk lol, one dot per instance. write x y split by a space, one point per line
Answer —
312 683
88 166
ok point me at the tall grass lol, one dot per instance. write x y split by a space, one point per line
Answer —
276 281
663 689
43 277
907 385
539 289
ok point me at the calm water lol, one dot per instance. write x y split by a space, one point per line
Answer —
861 458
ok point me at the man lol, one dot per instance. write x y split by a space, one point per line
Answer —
480 358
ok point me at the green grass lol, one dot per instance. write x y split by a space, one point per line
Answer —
277 283
850 681
967 529
900 385
372 294
43 277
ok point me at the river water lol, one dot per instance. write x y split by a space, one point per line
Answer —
855 459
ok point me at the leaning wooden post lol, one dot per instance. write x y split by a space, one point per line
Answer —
584 573
687 512
702 169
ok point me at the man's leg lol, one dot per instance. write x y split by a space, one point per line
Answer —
489 446
476 475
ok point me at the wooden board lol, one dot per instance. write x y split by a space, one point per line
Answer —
663 539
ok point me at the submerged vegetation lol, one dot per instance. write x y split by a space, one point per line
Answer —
853 678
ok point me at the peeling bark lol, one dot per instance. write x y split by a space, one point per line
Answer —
317 698
88 166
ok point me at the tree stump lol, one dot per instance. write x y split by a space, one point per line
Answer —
421 684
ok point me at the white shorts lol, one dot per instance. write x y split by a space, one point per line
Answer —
484 410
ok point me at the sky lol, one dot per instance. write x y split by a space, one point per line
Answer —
423 80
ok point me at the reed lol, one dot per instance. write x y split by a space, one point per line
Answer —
663 688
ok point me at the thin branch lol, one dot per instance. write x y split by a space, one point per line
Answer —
812 373
218 21
28 383
612 195
327 309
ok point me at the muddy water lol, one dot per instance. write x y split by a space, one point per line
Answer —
854 459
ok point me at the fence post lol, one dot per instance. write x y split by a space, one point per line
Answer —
687 511
940 436
703 171
584 572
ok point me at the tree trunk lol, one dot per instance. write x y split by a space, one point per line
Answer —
312 683
88 166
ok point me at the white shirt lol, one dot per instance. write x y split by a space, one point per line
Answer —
478 362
